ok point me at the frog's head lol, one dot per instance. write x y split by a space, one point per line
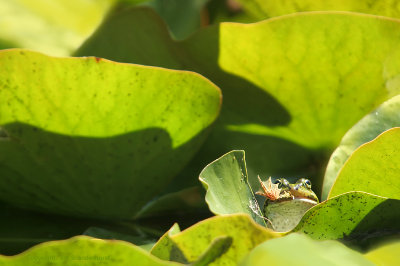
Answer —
283 190
302 189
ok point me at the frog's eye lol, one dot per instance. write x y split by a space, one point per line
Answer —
282 183
307 183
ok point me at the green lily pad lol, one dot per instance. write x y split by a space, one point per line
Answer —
373 168
83 250
56 27
298 249
352 215
193 243
387 254
90 137
264 9
292 86
228 191
373 124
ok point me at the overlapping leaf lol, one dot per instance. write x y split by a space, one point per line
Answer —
373 168
232 235
373 124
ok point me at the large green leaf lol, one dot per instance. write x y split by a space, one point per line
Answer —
90 137
262 9
352 216
83 250
228 190
191 244
54 27
368 128
373 168
292 85
297 249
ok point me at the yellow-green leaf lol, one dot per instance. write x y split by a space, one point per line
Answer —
387 254
83 250
261 9
52 27
90 137
386 116
374 168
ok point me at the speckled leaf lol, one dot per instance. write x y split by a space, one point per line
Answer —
351 215
193 242
292 86
83 250
95 138
228 190
374 167
387 254
262 9
52 27
298 249
373 124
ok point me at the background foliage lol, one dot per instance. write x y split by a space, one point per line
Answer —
114 149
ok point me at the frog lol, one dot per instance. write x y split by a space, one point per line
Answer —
286 203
